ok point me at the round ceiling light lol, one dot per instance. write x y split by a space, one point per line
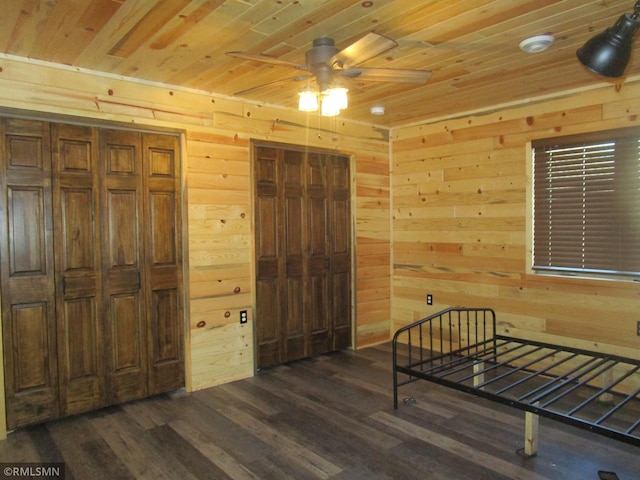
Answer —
377 110
536 44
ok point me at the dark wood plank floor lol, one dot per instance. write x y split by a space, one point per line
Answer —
329 417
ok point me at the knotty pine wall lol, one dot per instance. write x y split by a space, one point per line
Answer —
456 198
217 188
461 208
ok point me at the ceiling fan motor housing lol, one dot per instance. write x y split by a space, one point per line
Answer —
317 60
329 64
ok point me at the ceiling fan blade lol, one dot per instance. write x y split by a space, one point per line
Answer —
387 74
367 47
259 57
299 78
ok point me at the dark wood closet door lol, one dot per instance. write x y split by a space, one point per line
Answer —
319 247
340 250
125 328
268 263
292 233
27 270
303 258
163 263
91 270
78 268
281 252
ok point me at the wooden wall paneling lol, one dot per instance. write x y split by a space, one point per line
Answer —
372 230
221 354
373 246
220 274
206 282
461 210
216 123
218 231
469 48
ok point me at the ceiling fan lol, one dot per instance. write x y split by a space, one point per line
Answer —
327 63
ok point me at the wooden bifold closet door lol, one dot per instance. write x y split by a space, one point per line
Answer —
303 253
91 268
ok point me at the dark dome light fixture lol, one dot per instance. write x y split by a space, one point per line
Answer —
608 52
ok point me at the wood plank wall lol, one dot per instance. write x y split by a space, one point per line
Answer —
216 169
461 208
456 199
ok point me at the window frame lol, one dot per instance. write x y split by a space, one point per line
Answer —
623 135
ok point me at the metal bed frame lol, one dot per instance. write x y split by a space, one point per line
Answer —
459 348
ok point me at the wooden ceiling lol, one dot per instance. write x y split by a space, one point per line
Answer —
470 45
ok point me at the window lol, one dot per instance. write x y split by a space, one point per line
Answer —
586 203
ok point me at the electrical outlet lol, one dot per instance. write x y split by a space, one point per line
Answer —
429 299
243 316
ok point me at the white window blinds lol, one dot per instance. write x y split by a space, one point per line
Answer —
587 203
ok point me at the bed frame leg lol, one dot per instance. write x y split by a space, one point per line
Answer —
478 374
530 434
607 379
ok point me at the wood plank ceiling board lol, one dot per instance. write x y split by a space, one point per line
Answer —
471 46
97 54
83 30
10 22
24 36
155 19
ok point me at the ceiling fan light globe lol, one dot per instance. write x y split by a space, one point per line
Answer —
308 101
339 96
608 53
329 107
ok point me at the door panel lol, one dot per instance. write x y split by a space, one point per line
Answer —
295 344
123 243
82 386
78 241
124 324
78 292
268 333
267 262
125 330
163 238
30 338
163 265
166 339
292 282
27 271
340 245
320 336
82 322
320 309
27 231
